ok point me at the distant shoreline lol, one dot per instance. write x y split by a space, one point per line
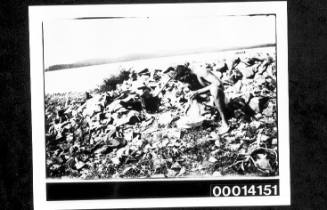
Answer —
135 57
88 78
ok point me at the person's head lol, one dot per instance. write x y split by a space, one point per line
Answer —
182 73
185 75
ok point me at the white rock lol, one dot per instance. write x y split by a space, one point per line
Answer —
212 159
165 118
158 176
171 173
182 171
164 142
79 165
214 135
234 147
255 104
217 143
193 117
269 111
115 160
120 152
176 165
216 173
255 124
264 137
174 133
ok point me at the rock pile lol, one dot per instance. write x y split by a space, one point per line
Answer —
149 127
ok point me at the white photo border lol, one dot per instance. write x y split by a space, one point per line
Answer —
39 14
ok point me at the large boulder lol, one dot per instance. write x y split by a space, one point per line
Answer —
193 117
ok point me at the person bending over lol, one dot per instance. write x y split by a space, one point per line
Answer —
201 80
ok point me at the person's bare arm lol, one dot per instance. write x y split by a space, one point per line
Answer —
209 77
200 80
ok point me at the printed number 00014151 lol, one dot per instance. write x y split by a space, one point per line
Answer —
244 190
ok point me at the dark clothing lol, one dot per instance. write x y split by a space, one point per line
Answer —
184 74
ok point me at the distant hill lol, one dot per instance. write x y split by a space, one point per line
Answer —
92 62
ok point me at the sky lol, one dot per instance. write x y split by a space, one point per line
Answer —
71 41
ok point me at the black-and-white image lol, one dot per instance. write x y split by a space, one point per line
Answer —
161 97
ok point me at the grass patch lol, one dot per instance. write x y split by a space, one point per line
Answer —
109 84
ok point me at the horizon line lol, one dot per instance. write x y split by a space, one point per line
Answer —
135 57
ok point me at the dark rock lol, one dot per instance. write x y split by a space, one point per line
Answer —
151 103
270 110
257 104
223 69
144 72
253 60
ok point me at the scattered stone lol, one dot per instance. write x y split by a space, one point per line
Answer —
264 138
234 147
257 103
214 135
126 170
149 127
182 172
274 141
79 165
217 173
263 163
158 176
270 110
212 159
70 137
102 150
255 124
165 142
165 118
115 160
176 165
217 143
174 133
158 163
248 72
171 173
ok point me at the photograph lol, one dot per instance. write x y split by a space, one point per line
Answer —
179 97
159 97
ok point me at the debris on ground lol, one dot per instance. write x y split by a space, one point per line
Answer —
150 127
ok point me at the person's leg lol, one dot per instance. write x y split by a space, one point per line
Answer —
219 99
